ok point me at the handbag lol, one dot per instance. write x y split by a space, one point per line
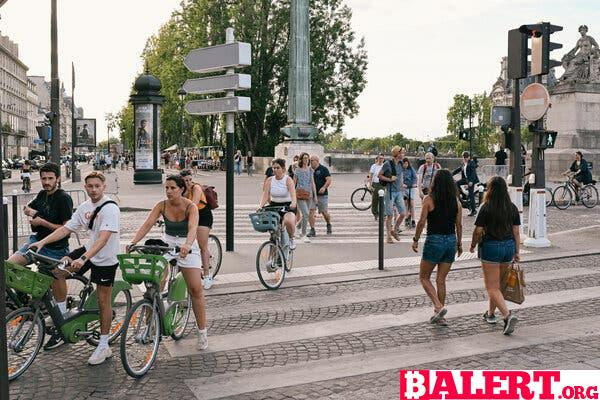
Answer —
513 284
302 194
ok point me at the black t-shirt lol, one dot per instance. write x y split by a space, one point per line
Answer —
321 174
56 209
483 221
501 157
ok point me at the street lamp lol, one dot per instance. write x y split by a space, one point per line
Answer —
182 93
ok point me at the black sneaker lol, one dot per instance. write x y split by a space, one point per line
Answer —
414 225
311 233
509 324
329 229
55 341
490 319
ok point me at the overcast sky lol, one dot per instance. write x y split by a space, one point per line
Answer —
420 53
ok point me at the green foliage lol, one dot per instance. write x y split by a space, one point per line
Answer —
338 141
338 67
103 145
485 135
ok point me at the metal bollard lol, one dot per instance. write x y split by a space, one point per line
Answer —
4 235
15 224
381 193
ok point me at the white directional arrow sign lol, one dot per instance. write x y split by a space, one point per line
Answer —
221 105
219 58
216 84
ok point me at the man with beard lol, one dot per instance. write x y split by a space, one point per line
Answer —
49 211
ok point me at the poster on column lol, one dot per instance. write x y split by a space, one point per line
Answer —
85 132
144 123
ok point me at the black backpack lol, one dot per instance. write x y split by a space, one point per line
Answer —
97 210
389 174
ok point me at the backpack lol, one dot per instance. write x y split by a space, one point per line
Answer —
393 172
212 197
425 170
97 210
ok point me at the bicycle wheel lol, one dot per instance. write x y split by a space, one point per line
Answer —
270 265
549 200
361 199
75 286
140 338
589 196
216 254
181 317
24 338
562 197
121 304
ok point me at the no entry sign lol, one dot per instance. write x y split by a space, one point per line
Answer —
535 101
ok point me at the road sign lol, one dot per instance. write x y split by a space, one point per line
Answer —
221 105
38 141
535 101
219 58
216 84
501 115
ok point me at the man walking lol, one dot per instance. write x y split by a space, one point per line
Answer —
391 176
100 216
425 174
375 185
322 182
468 173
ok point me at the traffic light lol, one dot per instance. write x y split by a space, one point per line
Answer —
517 54
44 132
547 139
464 135
541 46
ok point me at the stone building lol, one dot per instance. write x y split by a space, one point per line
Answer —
13 100
35 116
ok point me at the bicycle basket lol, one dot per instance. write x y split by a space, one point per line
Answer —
266 221
139 268
24 280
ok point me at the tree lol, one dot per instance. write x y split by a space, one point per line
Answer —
484 135
338 67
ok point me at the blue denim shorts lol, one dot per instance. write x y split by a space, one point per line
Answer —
56 253
440 249
395 199
497 251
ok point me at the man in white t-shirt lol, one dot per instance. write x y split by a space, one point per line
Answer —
375 185
99 254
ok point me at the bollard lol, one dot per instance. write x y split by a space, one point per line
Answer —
4 235
381 193
15 224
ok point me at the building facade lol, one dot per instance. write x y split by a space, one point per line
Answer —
13 100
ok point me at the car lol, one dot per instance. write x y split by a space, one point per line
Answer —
6 172
18 163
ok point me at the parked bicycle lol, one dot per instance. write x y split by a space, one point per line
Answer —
25 326
361 197
151 318
565 194
274 257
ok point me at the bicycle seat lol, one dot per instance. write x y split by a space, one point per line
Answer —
593 182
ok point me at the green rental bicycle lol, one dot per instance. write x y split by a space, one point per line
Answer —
150 318
25 326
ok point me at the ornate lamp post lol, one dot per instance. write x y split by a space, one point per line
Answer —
182 93
146 131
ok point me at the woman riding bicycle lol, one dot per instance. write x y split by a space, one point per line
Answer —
279 190
580 172
194 192
26 176
181 223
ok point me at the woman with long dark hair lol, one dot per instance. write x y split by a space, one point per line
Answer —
497 233
442 212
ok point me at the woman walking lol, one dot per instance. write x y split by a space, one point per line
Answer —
306 191
237 159
410 191
443 214
497 233
249 163
181 223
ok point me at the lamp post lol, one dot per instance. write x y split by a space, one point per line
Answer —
182 93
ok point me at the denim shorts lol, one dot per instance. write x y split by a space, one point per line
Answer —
497 251
440 249
56 253
397 199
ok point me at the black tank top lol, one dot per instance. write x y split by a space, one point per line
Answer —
439 223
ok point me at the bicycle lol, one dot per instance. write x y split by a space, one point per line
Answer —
274 257
361 197
148 319
26 327
563 194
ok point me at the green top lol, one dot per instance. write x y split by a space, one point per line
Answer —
175 228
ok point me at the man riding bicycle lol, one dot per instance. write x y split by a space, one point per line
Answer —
100 216
579 172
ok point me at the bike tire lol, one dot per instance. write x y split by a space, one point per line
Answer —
562 197
271 276
120 307
549 197
182 323
216 254
74 295
358 199
131 335
14 324
589 196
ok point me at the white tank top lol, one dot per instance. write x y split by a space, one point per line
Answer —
279 190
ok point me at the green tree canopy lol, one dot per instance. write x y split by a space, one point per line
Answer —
485 134
338 68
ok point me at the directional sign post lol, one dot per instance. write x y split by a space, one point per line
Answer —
224 57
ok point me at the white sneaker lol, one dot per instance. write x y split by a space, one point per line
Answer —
306 239
292 244
100 355
202 340
208 282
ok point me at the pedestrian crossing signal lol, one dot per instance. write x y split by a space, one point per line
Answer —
464 135
547 139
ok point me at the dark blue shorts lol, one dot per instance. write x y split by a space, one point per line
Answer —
497 251
440 249
56 253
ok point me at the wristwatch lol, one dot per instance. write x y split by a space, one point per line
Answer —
83 258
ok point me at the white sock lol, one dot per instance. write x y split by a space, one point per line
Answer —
103 341
202 331
62 306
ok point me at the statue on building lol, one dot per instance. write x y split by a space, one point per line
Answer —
582 63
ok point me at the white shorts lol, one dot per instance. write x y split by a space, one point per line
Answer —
192 260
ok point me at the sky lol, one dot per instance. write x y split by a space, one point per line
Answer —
420 53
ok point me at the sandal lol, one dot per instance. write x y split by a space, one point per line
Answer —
437 316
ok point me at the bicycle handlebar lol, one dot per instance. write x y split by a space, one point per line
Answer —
162 249
48 263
